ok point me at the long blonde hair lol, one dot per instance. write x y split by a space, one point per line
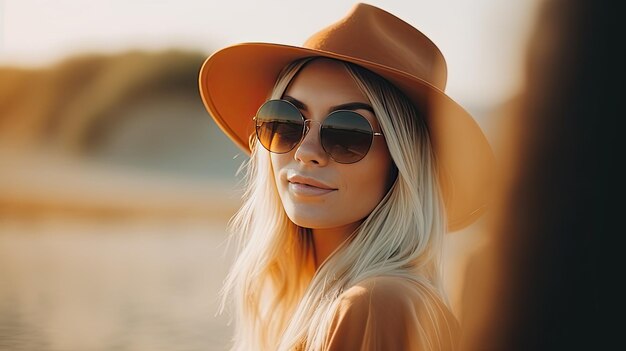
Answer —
280 300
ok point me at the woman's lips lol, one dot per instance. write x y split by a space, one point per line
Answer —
307 190
303 185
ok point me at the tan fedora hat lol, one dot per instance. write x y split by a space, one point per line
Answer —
236 80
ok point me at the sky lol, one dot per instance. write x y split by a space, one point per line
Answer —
483 41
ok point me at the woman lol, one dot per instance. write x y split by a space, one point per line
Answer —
359 163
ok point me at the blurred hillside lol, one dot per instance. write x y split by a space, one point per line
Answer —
111 132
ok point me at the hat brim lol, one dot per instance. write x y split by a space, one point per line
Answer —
236 80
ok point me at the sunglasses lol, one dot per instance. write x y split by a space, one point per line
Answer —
345 135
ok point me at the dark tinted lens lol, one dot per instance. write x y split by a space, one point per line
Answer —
346 136
279 126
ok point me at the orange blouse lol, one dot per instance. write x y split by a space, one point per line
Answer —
392 313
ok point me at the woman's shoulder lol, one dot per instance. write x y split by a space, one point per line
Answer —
390 290
389 312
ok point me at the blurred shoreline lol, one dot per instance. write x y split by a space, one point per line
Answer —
38 182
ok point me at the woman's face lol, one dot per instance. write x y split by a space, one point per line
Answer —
316 191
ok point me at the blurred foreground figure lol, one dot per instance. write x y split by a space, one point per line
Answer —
545 283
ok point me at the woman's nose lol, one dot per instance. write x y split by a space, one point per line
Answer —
310 149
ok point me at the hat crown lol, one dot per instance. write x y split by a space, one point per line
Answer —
372 34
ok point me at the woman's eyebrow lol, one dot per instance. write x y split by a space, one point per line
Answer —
348 106
297 103
353 106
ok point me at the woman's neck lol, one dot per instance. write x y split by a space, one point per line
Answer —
326 241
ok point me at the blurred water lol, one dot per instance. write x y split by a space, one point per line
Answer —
122 284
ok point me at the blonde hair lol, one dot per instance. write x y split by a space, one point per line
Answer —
280 301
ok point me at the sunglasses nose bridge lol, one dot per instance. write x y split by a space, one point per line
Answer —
307 126
309 144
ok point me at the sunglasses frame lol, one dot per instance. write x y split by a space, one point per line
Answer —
305 130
